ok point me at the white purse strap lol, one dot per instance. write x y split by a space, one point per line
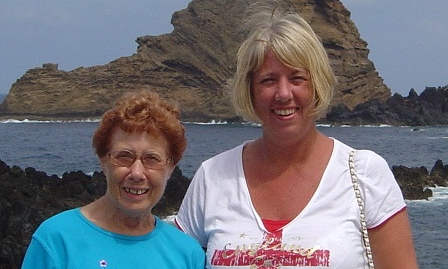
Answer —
365 234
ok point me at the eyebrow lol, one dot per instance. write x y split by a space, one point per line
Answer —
301 71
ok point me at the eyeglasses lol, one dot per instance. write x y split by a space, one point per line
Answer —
150 160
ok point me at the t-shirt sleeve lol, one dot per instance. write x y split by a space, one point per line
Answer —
190 217
37 257
380 191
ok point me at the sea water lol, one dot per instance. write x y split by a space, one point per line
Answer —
58 147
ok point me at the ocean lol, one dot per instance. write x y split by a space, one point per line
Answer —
58 147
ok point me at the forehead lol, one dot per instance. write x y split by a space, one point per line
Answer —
139 141
273 64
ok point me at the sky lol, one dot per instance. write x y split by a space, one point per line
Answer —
407 39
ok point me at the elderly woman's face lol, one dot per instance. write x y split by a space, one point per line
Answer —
135 187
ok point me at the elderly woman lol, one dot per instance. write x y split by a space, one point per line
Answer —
138 143
294 197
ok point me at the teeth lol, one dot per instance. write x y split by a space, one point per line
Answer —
284 112
134 191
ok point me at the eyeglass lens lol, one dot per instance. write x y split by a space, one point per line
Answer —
152 160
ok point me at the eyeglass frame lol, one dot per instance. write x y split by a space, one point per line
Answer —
158 166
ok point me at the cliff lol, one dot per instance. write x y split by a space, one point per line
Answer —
192 65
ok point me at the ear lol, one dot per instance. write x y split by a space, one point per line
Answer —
169 171
103 163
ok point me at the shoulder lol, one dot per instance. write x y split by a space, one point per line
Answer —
169 230
58 227
226 163
61 220
226 155
174 235
363 158
369 162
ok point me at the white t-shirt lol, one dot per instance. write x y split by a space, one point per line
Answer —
217 210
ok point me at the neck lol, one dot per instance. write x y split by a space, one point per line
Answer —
105 214
286 149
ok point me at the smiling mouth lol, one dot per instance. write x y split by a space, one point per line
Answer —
135 191
285 112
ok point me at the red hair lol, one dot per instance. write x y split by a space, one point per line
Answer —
142 111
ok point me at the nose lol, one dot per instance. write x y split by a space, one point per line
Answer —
284 90
137 170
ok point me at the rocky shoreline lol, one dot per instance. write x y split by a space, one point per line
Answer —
430 108
28 196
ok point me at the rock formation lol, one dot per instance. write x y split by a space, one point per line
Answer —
192 65
430 108
412 182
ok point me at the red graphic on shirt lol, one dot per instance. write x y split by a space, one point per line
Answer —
271 253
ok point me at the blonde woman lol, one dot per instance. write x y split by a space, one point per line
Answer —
286 199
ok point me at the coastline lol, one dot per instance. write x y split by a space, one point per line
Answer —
4 119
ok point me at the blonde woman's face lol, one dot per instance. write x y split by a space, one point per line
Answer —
282 96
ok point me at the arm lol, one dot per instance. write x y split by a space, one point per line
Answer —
37 257
392 243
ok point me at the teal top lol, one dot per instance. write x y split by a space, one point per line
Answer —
70 240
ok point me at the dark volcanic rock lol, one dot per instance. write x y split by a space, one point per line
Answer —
27 197
412 182
438 175
430 108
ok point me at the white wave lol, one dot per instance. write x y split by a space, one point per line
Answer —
439 193
214 122
376 126
48 121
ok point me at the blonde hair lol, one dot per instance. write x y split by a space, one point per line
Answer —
294 42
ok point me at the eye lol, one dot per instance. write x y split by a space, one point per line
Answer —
124 154
152 158
123 157
299 76
267 81
297 79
